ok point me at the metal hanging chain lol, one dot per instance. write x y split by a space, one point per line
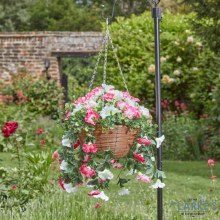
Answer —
116 57
97 64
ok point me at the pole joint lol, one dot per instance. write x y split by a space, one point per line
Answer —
156 13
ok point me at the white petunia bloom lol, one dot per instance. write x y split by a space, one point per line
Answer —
123 192
107 87
152 158
106 174
66 142
91 103
69 188
118 94
158 184
131 102
160 140
77 108
108 110
144 111
102 196
63 165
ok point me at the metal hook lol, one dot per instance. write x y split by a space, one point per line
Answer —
154 3
113 11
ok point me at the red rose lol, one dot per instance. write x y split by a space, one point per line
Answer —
9 128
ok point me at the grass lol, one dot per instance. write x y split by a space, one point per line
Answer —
187 187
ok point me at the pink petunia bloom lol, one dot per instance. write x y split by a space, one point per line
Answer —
122 105
39 130
131 112
176 103
87 171
118 166
81 100
55 155
67 115
108 96
138 157
127 95
86 158
94 193
76 145
89 148
211 162
102 181
61 183
97 205
144 141
113 161
144 178
91 115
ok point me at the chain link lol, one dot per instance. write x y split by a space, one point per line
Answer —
104 48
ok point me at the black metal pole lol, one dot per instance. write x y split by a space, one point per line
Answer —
156 14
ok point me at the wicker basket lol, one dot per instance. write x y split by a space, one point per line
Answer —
119 140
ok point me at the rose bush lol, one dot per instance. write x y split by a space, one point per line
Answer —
82 161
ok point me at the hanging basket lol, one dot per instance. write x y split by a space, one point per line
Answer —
119 139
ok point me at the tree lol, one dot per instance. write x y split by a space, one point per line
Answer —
207 22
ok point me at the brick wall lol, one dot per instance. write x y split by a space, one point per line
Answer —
29 50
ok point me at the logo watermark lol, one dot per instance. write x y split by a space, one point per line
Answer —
195 207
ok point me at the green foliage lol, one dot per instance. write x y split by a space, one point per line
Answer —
19 185
40 96
206 23
184 138
57 15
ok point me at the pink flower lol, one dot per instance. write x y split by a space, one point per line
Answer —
108 96
87 171
67 114
176 103
97 205
42 142
211 162
127 95
14 187
61 183
81 100
94 193
183 106
91 115
113 161
131 112
86 158
118 166
213 178
89 148
144 178
101 181
39 131
55 155
138 157
76 145
144 141
122 105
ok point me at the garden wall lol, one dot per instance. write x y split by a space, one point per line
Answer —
29 51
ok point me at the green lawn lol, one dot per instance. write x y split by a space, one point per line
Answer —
187 188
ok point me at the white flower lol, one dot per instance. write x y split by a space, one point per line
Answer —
160 140
131 172
195 69
176 72
77 108
66 142
198 44
144 111
107 87
91 103
151 68
190 39
123 192
177 43
106 174
163 59
63 165
108 110
118 94
152 158
179 59
69 187
102 196
158 184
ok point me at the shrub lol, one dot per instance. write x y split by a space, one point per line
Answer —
41 96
